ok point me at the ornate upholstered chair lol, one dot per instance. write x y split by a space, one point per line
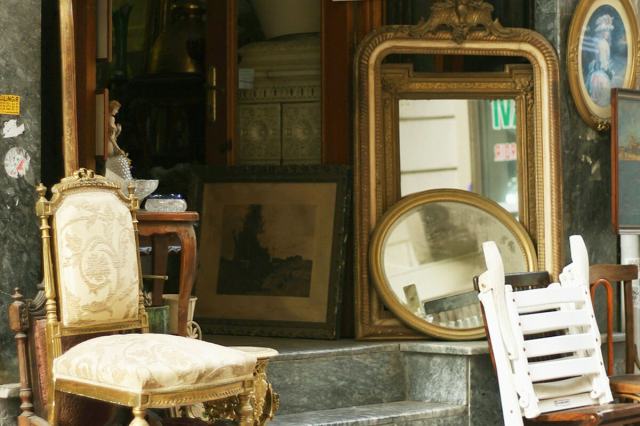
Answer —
569 385
92 283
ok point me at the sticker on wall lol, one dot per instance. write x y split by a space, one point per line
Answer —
16 162
11 129
10 104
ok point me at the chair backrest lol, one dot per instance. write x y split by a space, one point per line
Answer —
527 280
529 387
518 281
92 270
608 275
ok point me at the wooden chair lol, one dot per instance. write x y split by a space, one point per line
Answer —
607 275
572 388
92 284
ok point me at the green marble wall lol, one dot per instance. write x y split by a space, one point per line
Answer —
20 49
586 158
585 154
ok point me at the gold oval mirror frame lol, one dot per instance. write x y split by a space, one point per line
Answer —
436 236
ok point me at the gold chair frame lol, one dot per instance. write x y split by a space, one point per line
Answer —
83 180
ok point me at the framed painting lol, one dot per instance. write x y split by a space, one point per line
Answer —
602 55
625 161
272 250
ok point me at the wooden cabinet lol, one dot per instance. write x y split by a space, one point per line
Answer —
309 122
233 116
279 102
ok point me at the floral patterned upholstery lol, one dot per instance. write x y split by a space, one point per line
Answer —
152 362
97 262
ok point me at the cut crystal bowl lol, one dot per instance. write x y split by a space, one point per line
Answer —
144 188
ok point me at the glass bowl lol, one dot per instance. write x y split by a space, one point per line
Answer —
144 188
166 203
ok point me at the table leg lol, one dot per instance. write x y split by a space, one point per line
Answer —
160 255
187 237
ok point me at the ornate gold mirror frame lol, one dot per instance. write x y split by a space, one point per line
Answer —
449 33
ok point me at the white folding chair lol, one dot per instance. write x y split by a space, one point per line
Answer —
571 373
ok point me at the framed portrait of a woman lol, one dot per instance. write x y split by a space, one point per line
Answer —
602 55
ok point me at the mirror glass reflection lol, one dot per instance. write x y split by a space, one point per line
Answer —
432 253
468 144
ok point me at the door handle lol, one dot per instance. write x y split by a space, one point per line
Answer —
212 91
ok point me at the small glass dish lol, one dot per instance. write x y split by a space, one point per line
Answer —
165 203
144 188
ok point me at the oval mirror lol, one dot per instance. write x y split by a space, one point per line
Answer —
426 250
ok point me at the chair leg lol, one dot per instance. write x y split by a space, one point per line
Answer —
246 410
138 417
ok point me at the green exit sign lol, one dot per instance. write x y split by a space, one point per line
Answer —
503 114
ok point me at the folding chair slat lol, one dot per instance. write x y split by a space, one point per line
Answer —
574 385
547 296
563 367
565 402
555 320
540 308
559 344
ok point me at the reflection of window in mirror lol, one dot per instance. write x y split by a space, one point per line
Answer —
441 242
467 144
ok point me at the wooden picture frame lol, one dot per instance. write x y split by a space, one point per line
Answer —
272 250
602 54
625 161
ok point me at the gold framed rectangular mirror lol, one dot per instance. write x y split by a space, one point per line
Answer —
489 135
376 174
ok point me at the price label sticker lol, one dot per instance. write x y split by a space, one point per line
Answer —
10 104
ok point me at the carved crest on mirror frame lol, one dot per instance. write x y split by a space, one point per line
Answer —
461 17
463 28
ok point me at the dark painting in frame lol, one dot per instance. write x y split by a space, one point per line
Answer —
272 243
625 161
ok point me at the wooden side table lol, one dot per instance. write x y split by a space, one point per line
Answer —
159 226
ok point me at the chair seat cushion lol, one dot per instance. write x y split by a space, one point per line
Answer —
152 363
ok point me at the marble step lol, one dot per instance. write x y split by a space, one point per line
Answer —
315 375
401 413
